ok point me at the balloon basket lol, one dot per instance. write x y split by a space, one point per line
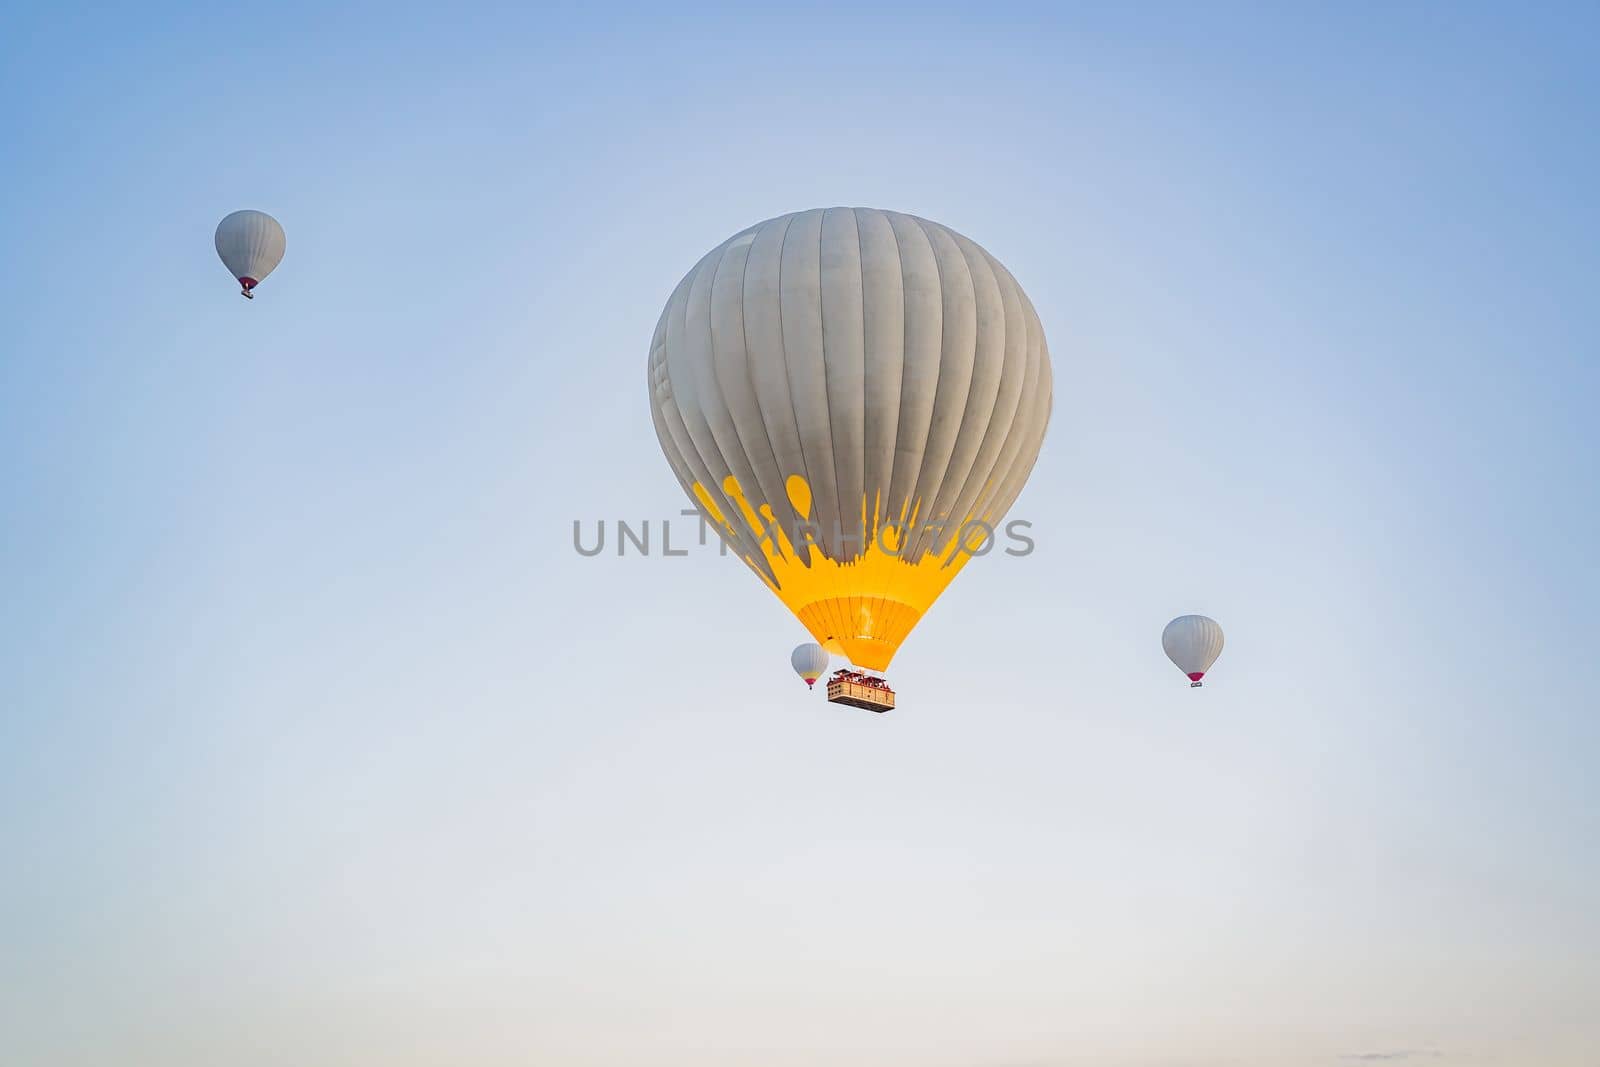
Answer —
1194 685
860 691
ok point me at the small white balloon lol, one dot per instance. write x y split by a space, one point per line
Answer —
1193 643
251 245
810 662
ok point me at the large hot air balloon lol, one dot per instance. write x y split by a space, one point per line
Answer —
852 397
251 244
809 662
1193 642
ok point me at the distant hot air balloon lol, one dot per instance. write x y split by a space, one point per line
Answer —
251 244
848 394
1193 642
809 662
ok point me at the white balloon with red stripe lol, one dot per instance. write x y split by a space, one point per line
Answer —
1193 643
810 662
251 245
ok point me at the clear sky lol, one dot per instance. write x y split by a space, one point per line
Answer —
319 744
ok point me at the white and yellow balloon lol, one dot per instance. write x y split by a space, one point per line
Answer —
850 395
810 662
1192 643
250 244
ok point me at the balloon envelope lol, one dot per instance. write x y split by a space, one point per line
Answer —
852 397
809 662
250 244
1193 643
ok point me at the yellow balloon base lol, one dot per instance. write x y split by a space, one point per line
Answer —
864 629
862 607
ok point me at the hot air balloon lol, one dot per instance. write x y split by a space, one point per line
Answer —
809 662
851 397
1193 642
251 244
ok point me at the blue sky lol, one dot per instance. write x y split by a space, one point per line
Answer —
319 743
